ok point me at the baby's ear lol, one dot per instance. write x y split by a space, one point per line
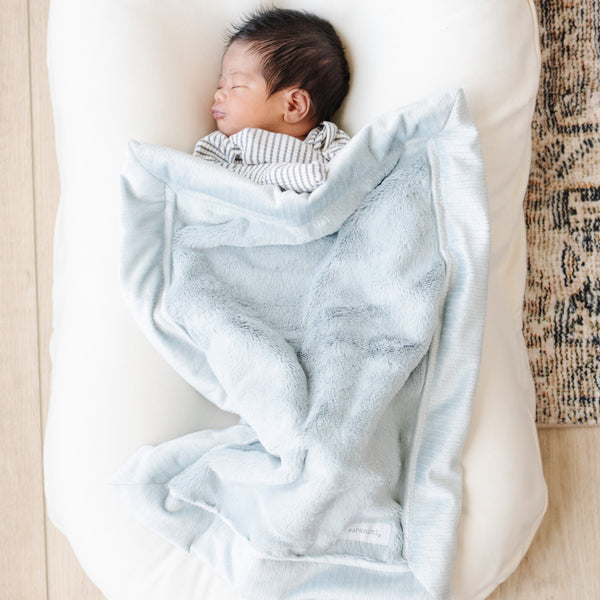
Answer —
298 106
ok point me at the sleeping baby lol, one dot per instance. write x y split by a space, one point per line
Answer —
283 76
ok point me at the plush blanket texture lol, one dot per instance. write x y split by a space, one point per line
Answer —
344 328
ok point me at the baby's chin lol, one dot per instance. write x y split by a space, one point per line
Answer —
225 131
227 128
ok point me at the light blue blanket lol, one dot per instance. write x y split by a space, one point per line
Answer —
344 327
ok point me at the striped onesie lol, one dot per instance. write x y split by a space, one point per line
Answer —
275 158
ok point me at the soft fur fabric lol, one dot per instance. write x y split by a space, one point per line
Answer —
344 327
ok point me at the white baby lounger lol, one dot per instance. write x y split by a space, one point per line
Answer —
146 70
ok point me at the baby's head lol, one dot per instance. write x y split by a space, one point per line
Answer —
283 71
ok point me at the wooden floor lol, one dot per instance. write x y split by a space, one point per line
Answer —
35 561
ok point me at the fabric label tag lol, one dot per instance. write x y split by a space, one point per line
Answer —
369 533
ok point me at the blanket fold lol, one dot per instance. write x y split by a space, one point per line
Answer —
344 327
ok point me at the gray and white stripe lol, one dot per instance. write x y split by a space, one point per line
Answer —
275 158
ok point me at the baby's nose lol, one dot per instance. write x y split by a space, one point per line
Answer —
219 95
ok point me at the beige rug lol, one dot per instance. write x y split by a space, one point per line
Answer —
562 301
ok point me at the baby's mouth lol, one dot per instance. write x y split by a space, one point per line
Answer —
217 114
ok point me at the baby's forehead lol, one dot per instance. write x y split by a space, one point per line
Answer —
240 64
231 73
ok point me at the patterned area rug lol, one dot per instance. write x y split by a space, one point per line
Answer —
562 302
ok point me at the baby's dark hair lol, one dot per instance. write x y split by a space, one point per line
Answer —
298 49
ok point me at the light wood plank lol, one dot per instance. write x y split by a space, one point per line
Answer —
562 562
45 184
22 543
